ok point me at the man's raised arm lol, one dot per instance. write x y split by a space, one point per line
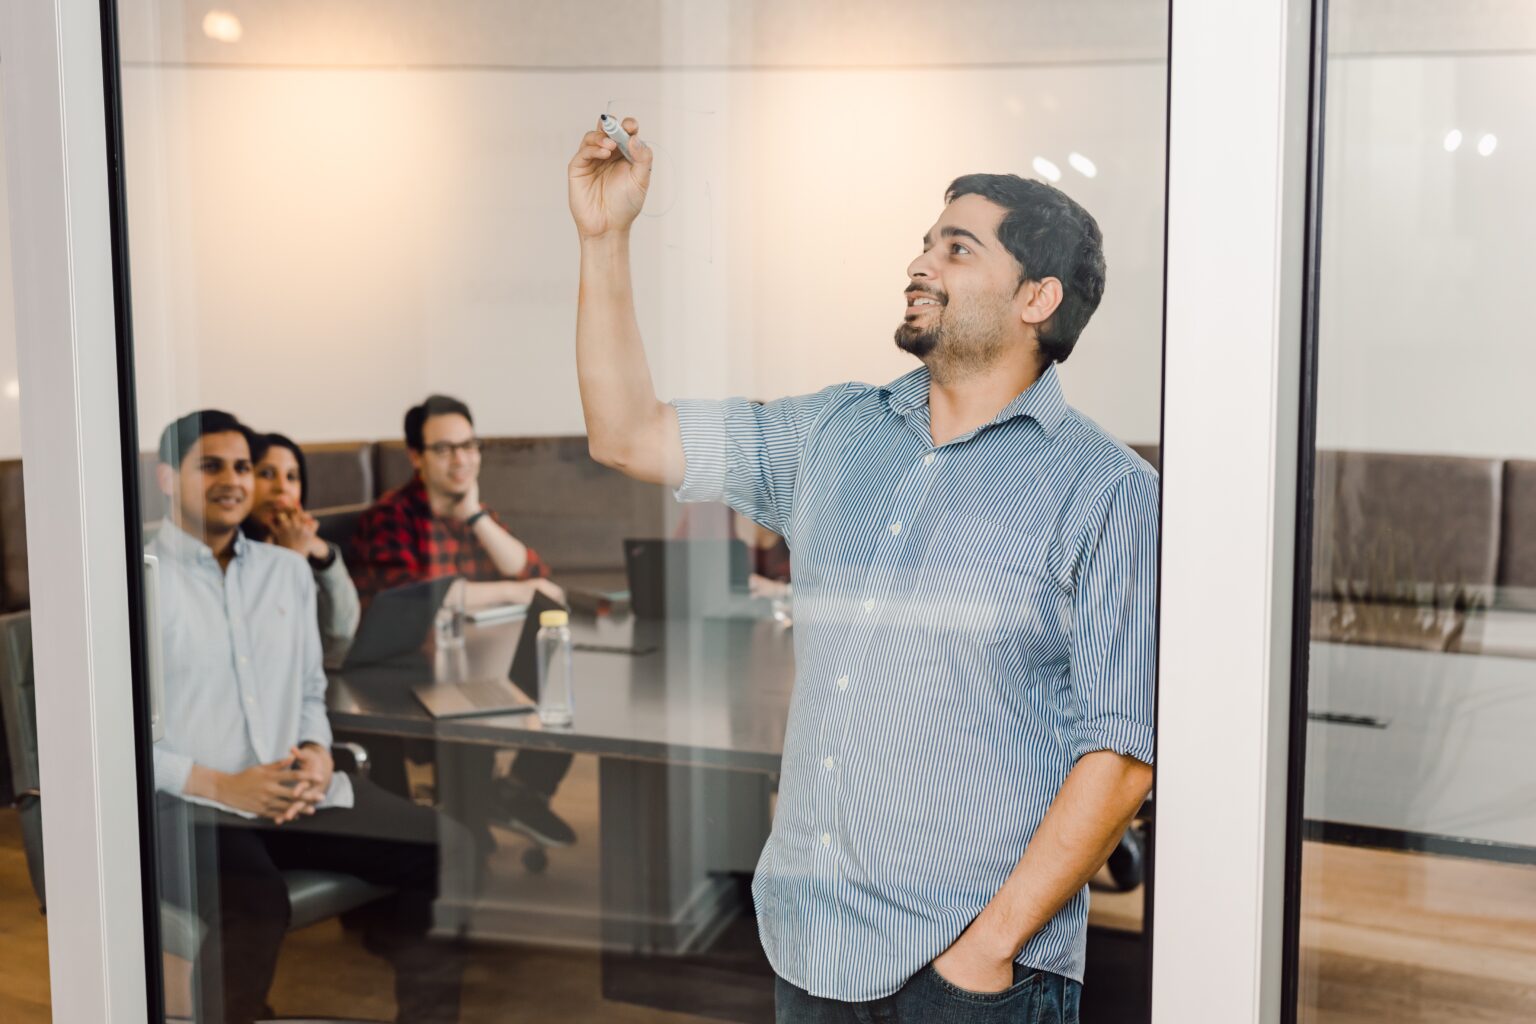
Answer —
628 428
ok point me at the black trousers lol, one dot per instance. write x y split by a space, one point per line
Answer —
464 772
228 871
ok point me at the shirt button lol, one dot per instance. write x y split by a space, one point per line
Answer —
829 763
244 660
826 839
895 528
928 459
250 700
842 684
869 605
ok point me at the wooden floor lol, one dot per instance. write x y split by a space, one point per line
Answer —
23 934
1389 939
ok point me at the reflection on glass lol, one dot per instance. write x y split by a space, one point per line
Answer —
350 228
1420 864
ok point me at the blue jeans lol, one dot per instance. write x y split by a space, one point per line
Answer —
1035 997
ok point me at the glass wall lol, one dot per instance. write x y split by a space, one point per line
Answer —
1419 868
338 209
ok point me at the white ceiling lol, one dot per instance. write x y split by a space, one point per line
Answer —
647 33
757 33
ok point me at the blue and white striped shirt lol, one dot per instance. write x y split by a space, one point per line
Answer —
969 621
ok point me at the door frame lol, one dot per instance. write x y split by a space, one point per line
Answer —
1240 114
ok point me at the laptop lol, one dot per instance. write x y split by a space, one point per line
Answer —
398 621
518 694
671 578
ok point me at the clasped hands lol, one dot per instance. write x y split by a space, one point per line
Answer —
282 790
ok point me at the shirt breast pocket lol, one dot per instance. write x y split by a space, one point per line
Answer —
989 581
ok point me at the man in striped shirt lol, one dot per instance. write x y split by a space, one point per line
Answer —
975 585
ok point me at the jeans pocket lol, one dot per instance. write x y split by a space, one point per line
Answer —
1024 981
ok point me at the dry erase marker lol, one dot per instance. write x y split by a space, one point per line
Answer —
615 131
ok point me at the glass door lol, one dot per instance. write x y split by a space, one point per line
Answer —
354 282
1417 860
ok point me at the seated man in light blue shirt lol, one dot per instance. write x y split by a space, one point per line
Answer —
244 762
975 572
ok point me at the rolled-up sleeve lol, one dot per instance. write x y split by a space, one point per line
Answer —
171 770
748 454
1114 623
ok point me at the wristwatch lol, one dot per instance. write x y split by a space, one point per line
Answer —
322 564
476 517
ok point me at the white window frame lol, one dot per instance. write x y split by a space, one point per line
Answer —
1236 208
56 162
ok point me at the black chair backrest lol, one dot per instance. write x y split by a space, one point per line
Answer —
18 708
337 525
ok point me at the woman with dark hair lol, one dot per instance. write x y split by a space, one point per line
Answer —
278 517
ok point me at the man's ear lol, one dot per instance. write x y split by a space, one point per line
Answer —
165 476
415 458
1042 298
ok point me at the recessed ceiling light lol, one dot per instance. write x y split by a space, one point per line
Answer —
1082 165
222 26
1487 144
1452 140
1046 169
13 389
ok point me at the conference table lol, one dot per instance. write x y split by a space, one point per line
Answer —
1422 750
688 739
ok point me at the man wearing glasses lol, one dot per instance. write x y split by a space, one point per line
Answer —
436 526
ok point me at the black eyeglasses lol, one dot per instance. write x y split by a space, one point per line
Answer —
445 449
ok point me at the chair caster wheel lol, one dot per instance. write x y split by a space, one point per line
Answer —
535 859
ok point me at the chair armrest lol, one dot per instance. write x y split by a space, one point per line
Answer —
351 757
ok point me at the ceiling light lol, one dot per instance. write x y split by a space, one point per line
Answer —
1487 144
1452 140
222 26
13 389
1046 169
1082 165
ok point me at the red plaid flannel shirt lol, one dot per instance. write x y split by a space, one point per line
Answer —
400 541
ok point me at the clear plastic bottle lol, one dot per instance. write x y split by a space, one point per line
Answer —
556 700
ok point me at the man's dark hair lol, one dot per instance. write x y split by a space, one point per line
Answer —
263 443
178 438
436 405
1050 236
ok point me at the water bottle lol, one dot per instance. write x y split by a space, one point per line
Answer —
555 697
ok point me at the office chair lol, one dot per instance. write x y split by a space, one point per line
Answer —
314 896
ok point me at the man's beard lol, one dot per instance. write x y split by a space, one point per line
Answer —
957 344
919 341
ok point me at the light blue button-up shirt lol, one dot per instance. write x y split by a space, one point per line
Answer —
969 621
242 662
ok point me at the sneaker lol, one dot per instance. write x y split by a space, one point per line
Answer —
526 812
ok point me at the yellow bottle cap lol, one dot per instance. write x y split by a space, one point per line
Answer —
554 618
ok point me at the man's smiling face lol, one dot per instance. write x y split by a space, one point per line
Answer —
964 300
214 484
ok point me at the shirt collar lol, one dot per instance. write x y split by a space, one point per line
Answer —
181 545
1042 401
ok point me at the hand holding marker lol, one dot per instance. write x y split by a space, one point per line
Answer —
607 194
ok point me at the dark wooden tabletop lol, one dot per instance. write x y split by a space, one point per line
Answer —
714 692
